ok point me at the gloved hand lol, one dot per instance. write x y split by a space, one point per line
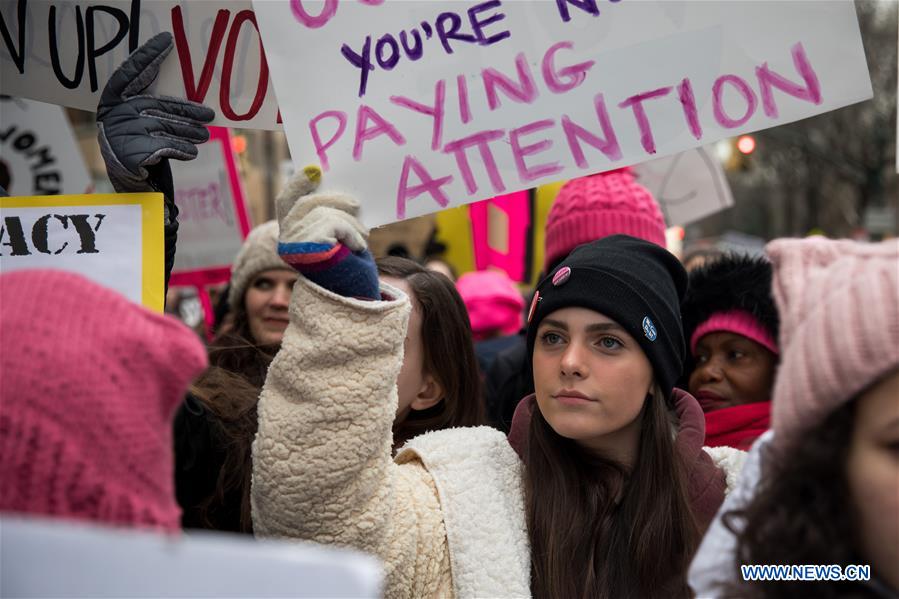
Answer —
139 131
322 239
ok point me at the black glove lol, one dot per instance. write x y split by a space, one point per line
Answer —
137 130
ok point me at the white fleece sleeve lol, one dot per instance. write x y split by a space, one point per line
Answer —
322 467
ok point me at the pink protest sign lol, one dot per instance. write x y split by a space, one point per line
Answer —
499 231
212 217
420 105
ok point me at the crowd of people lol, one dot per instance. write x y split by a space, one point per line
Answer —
628 430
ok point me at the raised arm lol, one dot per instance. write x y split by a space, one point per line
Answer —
139 132
322 467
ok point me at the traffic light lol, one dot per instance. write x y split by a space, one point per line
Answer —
746 144
736 153
745 147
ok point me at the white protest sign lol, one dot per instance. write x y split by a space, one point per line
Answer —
115 240
212 216
420 105
45 558
63 52
38 151
688 186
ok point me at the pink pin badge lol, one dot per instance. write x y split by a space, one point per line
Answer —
561 276
533 306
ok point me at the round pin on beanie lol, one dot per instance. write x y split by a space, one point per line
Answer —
637 283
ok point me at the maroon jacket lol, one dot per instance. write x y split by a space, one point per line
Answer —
705 482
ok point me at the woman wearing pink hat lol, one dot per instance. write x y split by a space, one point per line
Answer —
730 322
822 488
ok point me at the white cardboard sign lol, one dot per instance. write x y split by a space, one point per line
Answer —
688 186
212 216
38 151
419 105
45 558
63 52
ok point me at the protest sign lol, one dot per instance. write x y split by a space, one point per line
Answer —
212 215
51 558
115 240
420 105
63 52
688 186
38 151
499 231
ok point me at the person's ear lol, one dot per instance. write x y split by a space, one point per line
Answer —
428 395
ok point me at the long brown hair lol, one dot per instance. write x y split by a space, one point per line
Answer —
585 541
448 351
801 514
229 390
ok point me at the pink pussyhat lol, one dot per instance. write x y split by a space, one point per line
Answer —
493 302
89 383
597 206
839 332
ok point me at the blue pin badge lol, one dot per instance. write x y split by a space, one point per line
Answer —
649 329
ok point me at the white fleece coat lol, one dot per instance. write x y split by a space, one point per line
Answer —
322 467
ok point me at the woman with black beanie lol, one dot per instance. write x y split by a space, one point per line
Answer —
595 506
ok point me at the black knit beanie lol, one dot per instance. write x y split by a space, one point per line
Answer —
636 283
731 282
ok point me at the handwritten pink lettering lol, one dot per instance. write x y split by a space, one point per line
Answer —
635 102
768 80
608 144
565 79
519 152
718 100
379 127
322 147
429 185
481 140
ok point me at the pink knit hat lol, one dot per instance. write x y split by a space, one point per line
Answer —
739 322
89 383
596 206
839 331
493 302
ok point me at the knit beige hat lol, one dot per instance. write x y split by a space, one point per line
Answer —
258 253
839 333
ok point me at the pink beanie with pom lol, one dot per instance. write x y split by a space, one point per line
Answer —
89 383
596 206
493 302
839 325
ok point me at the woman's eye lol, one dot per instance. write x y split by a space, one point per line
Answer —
609 343
736 355
551 338
262 284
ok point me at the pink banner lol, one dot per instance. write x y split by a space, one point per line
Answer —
499 228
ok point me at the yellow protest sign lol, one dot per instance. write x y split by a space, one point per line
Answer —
115 240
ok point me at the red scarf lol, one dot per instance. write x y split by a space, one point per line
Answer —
737 426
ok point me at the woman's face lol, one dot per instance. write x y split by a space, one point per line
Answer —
731 370
591 379
415 388
266 300
873 475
